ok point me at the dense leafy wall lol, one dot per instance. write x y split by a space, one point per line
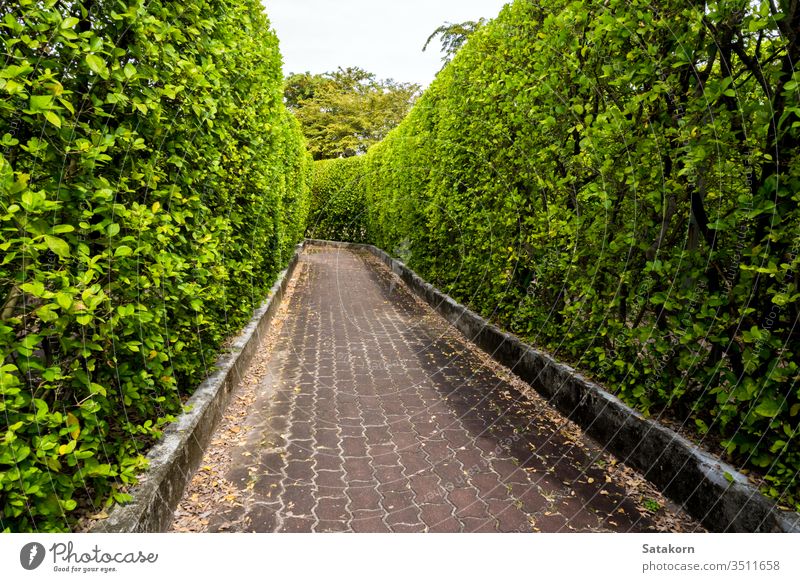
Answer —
152 185
338 207
619 181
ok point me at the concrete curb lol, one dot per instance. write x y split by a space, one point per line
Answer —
174 460
712 491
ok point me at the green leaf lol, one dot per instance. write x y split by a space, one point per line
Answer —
34 288
98 389
53 118
97 65
129 71
98 470
768 407
15 71
57 245
64 300
42 410
123 251
40 103
29 200
67 448
46 313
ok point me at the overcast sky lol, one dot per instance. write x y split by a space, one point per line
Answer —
384 37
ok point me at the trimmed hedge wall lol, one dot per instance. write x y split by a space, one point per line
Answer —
618 181
338 208
152 185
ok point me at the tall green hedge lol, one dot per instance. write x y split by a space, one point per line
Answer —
338 207
618 181
152 185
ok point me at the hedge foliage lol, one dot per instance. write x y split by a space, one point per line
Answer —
338 207
152 185
619 181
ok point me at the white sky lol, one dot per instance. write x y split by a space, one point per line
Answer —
384 37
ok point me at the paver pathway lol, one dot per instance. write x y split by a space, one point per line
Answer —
370 414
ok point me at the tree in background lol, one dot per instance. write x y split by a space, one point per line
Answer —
344 112
453 36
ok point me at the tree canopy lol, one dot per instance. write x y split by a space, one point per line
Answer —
342 113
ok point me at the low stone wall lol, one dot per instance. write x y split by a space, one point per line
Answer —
715 493
174 460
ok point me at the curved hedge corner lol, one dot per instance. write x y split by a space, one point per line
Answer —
152 186
618 181
338 207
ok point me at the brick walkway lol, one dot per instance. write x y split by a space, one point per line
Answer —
373 415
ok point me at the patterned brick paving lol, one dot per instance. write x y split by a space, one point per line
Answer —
375 416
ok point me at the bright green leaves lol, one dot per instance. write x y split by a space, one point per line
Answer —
35 288
97 65
130 250
53 118
69 22
45 105
57 245
129 71
32 201
67 448
754 335
64 300
40 103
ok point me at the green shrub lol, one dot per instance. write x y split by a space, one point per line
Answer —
152 185
618 181
338 208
